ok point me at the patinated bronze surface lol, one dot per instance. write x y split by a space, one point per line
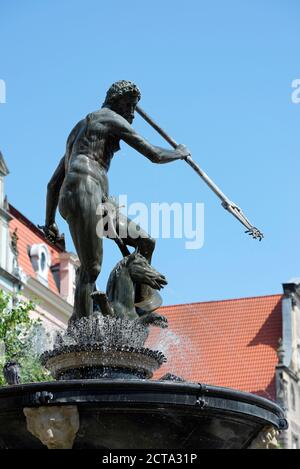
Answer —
80 184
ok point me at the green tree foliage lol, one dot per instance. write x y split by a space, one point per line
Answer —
18 333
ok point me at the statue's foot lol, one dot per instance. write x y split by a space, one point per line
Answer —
100 299
154 319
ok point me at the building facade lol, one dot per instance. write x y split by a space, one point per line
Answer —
288 367
33 267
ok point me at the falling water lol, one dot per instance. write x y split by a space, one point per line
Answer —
42 338
107 331
179 351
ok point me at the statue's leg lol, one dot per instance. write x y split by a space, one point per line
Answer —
83 224
133 235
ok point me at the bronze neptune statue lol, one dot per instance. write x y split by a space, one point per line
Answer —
79 186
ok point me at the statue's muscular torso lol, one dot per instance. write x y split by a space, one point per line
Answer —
91 147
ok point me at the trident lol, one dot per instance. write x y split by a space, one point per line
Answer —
226 203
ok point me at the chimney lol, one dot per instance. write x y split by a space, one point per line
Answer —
68 265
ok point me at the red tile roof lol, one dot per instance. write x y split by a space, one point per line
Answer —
229 343
28 235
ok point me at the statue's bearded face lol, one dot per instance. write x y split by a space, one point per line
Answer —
125 106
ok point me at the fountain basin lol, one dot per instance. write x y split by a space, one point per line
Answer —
134 414
93 361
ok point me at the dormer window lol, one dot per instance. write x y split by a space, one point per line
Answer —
41 261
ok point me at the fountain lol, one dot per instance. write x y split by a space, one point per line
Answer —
104 398
103 395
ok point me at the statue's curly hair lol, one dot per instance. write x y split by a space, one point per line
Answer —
121 88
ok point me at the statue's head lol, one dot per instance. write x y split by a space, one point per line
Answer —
122 97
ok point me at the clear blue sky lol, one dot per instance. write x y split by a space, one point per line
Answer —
216 74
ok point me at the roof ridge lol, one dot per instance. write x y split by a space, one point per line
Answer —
223 301
29 224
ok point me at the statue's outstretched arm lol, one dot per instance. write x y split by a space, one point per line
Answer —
159 155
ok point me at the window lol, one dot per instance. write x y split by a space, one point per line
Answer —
41 261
